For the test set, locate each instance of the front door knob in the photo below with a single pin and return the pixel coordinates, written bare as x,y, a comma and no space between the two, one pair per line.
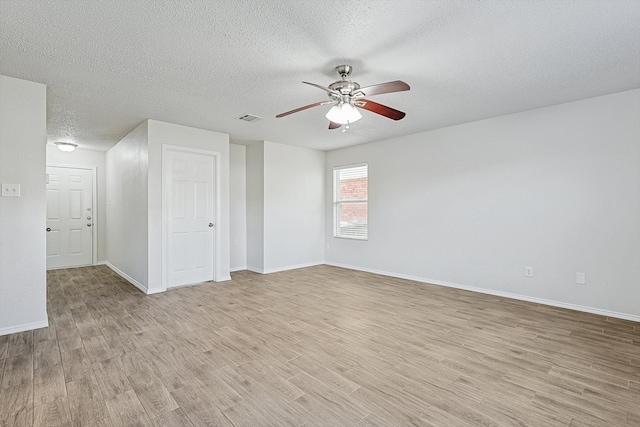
48,229
210,224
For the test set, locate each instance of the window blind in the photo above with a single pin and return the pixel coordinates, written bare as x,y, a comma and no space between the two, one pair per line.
350,202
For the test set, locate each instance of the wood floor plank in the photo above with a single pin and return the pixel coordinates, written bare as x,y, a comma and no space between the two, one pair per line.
126,410
46,353
372,420
175,418
153,395
20,344
327,376
76,364
17,370
86,403
48,384
344,406
23,417
110,376
16,402
4,346
45,334
52,414
200,409
97,348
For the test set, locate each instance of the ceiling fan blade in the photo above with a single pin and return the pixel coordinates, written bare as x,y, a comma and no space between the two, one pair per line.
334,125
326,89
315,104
383,110
389,87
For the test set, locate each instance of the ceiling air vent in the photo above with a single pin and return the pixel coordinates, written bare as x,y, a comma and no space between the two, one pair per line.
249,118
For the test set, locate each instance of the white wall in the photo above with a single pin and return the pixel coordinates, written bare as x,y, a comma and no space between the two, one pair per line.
23,136
238,206
255,207
293,207
88,158
127,165
556,188
168,133
285,207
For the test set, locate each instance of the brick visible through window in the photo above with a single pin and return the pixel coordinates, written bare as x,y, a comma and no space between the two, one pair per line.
350,195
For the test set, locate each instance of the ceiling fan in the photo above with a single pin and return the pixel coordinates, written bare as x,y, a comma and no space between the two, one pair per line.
347,96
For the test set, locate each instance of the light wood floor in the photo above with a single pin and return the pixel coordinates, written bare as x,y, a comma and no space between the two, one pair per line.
310,347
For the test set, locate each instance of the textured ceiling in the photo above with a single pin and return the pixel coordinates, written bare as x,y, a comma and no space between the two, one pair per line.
111,64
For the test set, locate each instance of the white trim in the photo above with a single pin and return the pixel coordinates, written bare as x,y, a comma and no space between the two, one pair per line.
130,279
25,327
543,301
287,268
232,269
70,267
217,250
94,209
337,203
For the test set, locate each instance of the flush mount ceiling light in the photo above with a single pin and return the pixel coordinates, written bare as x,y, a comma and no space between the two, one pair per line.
66,146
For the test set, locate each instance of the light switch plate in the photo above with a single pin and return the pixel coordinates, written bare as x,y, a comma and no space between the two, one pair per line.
10,190
581,279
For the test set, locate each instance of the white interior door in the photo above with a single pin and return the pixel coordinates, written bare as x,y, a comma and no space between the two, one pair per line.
189,189
69,217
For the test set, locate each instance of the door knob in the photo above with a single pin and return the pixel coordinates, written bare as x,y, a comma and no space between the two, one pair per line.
210,224
88,224
48,229
88,218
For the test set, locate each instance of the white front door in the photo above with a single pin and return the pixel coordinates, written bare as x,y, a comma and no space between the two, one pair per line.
69,217
189,189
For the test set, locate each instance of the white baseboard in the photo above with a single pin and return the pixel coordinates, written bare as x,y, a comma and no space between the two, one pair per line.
77,266
279,269
291,267
244,267
129,279
224,278
25,327
552,303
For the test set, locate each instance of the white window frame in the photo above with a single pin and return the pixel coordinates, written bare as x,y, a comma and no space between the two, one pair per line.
337,203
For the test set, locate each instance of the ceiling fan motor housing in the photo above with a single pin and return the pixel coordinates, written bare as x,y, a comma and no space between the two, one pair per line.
345,87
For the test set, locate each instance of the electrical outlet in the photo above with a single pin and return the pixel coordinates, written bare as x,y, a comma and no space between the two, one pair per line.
528,271
10,190
581,279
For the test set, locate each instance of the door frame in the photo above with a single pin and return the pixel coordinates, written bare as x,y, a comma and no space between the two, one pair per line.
94,207
165,209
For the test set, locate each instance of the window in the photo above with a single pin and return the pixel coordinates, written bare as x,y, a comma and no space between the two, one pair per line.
350,190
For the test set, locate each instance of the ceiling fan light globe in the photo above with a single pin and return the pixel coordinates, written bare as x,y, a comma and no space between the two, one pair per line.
351,112
343,113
